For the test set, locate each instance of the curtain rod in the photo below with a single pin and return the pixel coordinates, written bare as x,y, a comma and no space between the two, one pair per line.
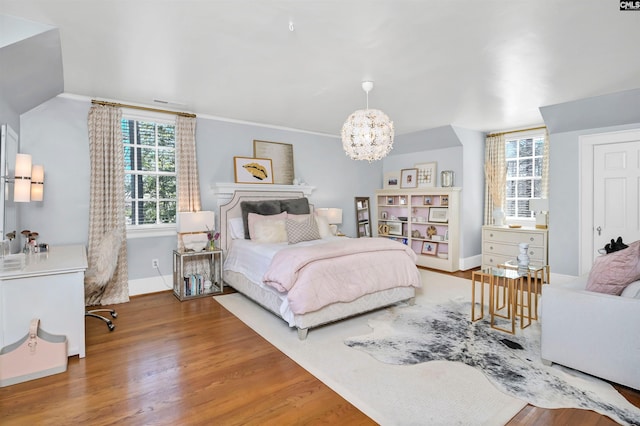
516,131
166,111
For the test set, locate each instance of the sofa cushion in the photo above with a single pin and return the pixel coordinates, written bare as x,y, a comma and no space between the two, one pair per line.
632,290
612,272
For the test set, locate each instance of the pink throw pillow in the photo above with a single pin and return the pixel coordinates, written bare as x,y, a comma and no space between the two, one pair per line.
612,272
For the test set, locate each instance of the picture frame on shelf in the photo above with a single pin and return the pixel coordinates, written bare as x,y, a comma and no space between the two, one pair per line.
395,228
281,155
427,200
391,180
439,214
409,178
429,248
253,170
384,215
444,200
390,201
403,200
427,174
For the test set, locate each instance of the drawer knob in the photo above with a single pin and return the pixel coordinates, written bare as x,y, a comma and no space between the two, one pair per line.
530,238
532,252
491,235
491,248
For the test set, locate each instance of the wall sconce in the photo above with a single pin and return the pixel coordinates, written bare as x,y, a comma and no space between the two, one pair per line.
22,181
37,182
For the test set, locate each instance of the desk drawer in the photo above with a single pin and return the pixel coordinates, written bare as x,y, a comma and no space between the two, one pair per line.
511,250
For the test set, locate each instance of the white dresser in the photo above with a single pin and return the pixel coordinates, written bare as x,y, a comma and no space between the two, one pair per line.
48,286
500,244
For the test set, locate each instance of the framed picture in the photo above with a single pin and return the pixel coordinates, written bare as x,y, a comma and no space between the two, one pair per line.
281,155
395,228
426,174
252,170
444,200
403,200
430,248
389,201
391,180
427,201
439,214
409,178
383,215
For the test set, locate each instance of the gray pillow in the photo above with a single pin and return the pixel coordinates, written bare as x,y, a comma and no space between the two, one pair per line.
295,206
266,208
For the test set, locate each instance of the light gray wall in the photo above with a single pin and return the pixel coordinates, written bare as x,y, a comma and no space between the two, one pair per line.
457,149
56,135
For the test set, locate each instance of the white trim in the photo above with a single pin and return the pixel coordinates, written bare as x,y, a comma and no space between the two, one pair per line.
209,117
151,231
466,263
586,147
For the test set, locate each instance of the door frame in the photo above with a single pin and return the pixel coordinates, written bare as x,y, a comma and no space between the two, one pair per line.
587,145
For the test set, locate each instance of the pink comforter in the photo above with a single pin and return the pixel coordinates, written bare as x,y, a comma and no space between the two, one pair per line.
340,271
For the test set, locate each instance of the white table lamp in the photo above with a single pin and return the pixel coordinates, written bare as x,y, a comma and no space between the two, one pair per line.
193,227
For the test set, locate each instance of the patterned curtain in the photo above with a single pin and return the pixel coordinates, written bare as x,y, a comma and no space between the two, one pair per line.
545,167
495,175
188,184
106,204
186,165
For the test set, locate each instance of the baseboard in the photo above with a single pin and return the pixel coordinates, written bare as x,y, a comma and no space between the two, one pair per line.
150,285
470,262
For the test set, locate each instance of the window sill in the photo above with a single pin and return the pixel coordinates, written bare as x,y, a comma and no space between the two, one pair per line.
151,231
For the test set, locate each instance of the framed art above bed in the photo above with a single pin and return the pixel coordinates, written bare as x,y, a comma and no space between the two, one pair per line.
252,170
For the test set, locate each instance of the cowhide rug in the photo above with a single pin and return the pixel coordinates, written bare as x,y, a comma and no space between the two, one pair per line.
415,334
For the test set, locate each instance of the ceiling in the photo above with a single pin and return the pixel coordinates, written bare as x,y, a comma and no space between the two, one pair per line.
484,65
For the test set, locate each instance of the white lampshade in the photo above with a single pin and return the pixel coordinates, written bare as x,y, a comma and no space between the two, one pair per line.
333,215
539,205
22,181
201,221
37,182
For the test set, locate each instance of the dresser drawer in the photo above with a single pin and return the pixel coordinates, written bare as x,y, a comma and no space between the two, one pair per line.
511,251
513,237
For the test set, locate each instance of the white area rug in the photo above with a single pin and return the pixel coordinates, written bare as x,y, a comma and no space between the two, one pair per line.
434,393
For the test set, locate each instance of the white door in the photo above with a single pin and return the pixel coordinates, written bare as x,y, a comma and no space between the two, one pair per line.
616,193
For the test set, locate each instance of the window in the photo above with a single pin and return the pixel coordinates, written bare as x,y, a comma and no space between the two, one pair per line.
150,171
525,163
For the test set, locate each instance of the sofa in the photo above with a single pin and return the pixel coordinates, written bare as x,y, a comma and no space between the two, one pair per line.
593,332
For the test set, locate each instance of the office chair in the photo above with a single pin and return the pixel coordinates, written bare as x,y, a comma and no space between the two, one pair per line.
96,278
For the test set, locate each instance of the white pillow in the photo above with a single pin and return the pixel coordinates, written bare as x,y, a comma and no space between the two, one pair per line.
269,231
254,218
632,290
236,228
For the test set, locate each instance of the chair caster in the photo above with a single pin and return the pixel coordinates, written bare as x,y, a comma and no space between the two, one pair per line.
111,326
114,314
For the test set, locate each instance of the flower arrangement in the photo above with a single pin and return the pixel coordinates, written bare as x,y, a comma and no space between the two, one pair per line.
212,237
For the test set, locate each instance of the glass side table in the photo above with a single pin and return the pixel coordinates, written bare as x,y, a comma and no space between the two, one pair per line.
197,274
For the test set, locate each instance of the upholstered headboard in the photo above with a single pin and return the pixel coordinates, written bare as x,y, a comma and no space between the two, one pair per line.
233,208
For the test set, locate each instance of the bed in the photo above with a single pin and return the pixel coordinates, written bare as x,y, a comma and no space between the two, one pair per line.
263,271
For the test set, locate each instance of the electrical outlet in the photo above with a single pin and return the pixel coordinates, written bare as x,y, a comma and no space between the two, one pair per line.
154,263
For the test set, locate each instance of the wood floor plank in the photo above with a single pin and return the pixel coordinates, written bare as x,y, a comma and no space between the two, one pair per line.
193,363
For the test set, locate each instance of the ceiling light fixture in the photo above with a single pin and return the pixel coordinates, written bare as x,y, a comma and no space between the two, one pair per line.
368,133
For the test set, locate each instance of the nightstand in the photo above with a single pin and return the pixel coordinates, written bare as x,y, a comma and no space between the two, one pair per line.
197,274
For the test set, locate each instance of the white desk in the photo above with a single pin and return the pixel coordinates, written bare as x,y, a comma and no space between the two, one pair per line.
49,286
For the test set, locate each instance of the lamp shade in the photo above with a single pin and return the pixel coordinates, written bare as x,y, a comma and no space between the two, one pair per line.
539,205
201,221
333,215
22,181
37,182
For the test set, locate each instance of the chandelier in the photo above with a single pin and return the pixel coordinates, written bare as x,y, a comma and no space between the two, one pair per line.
368,133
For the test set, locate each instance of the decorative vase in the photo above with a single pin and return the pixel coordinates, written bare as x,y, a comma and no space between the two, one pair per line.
498,216
523,257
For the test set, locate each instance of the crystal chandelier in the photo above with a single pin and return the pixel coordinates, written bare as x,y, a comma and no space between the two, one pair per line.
368,133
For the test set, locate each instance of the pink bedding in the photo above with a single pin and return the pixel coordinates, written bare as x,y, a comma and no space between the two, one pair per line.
340,271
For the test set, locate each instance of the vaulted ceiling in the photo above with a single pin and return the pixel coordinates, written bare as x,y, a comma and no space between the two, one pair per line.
484,65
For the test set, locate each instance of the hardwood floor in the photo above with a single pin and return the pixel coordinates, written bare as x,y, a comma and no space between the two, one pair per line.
194,363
